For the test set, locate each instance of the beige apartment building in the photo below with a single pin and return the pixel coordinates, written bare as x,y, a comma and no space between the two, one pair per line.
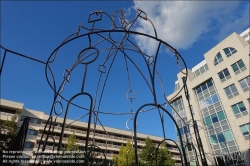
110,144
219,97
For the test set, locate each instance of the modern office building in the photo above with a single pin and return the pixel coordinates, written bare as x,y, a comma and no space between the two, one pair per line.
110,144
219,98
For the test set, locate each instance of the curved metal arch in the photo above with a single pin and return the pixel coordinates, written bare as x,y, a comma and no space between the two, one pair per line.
66,113
88,34
103,31
167,139
152,75
135,133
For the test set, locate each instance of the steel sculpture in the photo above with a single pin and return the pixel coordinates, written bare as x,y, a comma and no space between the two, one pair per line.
95,44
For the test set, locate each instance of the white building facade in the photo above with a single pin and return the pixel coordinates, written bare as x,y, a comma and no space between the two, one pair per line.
219,97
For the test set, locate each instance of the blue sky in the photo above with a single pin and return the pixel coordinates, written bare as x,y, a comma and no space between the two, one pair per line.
37,28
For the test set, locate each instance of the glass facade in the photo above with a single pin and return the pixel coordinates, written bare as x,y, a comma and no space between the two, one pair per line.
184,128
215,120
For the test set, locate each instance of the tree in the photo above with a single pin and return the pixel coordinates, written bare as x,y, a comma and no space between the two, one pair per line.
8,132
164,157
126,156
148,155
70,147
72,143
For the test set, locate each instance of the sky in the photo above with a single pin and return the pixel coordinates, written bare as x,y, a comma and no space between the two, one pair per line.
36,29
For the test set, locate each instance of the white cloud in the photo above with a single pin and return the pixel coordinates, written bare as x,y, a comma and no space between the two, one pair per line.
182,23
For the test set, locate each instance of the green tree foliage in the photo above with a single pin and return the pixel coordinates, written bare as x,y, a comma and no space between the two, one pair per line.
148,155
126,156
70,149
8,132
72,143
164,157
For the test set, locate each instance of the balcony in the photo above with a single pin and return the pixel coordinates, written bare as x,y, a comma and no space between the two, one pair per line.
173,149
6,116
112,138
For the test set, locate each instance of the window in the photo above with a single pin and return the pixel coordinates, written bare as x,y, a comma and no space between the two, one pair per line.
248,100
239,109
215,98
32,132
238,67
32,120
29,145
208,101
214,118
181,131
221,115
201,70
176,102
245,83
213,139
203,86
208,120
218,58
224,75
229,51
231,91
228,135
221,137
177,86
186,129
189,147
245,129
178,107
